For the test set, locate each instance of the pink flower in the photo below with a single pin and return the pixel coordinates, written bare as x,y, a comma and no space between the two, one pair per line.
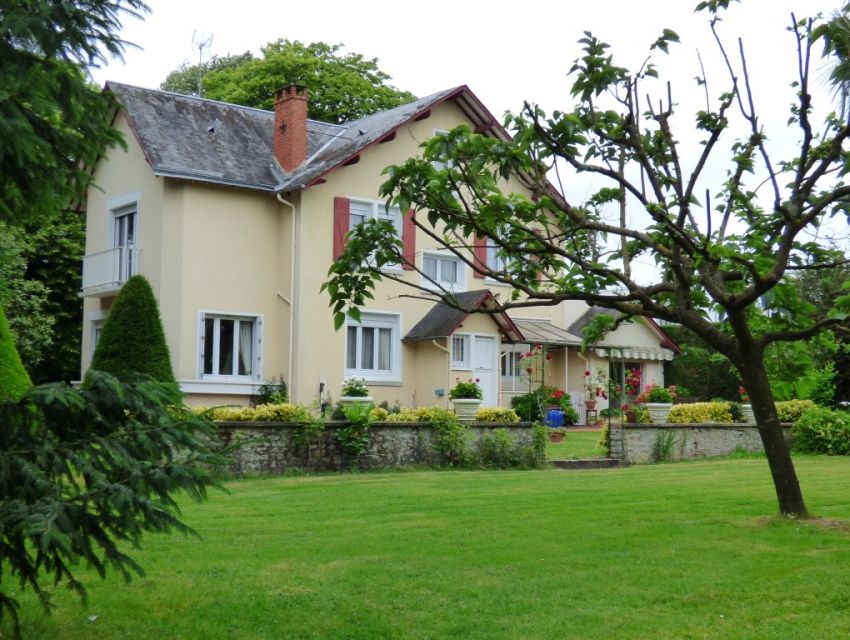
477,380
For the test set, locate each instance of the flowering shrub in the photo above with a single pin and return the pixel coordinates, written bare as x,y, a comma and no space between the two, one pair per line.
596,385
745,397
283,412
354,388
793,410
533,362
466,390
379,414
496,414
823,431
424,414
696,412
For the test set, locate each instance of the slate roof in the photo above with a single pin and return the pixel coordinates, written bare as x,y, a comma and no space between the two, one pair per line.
443,320
544,332
197,139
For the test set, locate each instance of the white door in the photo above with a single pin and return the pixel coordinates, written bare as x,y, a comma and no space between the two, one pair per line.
484,351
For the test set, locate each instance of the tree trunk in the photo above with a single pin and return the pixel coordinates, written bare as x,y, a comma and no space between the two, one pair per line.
778,453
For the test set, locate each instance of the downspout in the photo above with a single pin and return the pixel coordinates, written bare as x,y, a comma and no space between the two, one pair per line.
586,368
291,356
448,367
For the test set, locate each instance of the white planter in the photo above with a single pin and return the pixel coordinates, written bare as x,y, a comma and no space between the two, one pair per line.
350,401
466,408
747,414
658,411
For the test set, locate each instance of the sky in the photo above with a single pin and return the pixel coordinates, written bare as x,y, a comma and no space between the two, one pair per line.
506,53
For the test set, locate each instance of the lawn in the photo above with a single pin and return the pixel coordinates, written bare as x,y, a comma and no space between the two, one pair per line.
687,550
576,445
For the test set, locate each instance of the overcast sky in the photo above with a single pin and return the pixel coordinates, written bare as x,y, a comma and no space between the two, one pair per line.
505,52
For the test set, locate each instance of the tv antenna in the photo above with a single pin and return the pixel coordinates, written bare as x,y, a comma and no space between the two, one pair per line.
201,42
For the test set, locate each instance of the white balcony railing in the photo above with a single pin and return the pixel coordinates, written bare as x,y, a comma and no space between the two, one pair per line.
105,271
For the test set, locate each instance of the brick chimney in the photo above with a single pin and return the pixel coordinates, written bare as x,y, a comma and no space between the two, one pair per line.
290,126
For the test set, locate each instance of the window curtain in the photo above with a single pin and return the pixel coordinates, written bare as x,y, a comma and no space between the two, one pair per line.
246,343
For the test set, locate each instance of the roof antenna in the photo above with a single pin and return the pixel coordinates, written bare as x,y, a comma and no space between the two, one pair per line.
202,43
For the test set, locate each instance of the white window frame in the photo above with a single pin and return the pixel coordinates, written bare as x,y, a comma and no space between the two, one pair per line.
461,361
256,347
372,209
124,206
511,352
374,320
456,287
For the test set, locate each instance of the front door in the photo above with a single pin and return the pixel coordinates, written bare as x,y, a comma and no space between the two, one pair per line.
484,350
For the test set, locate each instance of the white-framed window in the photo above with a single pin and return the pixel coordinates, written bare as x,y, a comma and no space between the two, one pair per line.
443,270
373,346
125,222
440,132
361,210
510,366
461,351
230,346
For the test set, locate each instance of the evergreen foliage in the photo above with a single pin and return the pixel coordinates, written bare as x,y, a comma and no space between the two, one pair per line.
14,380
82,470
132,343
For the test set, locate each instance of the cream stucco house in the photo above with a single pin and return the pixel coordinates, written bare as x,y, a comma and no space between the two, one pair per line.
235,214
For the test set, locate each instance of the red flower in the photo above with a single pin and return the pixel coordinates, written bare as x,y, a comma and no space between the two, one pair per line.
528,355
477,380
625,406
548,356
587,373
529,370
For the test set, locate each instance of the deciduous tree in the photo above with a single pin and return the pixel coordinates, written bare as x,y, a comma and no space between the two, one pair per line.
720,248
343,86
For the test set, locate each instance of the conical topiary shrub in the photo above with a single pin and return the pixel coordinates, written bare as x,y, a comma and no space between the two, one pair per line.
14,380
132,342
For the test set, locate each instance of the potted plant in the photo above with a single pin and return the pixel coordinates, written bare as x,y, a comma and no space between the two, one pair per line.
658,401
354,391
466,398
557,434
746,408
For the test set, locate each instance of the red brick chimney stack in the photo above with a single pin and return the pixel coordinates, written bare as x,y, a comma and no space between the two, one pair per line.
290,126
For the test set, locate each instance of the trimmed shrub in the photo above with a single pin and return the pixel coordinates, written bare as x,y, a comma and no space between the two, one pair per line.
283,412
822,430
14,380
496,414
792,410
697,412
132,343
379,414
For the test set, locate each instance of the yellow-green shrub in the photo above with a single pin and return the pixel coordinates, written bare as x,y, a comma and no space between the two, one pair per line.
283,412
792,410
695,412
423,414
379,414
496,414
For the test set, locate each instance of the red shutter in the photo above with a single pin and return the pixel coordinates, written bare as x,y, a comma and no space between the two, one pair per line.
342,207
408,239
479,253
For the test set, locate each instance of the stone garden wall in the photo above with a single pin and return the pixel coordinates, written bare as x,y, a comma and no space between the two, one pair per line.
638,443
270,447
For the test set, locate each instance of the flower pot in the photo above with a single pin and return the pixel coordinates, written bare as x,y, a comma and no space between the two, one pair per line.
556,437
747,414
350,401
466,408
658,411
590,404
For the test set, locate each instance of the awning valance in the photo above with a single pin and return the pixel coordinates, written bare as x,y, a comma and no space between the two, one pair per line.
634,353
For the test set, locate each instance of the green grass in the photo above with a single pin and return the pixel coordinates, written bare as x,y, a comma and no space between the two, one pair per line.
576,445
686,550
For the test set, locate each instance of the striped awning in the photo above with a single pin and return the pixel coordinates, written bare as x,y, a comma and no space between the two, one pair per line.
634,353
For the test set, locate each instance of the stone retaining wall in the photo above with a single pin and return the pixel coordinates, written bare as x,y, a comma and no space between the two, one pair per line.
638,443
269,447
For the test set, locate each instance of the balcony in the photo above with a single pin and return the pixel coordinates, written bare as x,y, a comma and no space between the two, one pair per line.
104,272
